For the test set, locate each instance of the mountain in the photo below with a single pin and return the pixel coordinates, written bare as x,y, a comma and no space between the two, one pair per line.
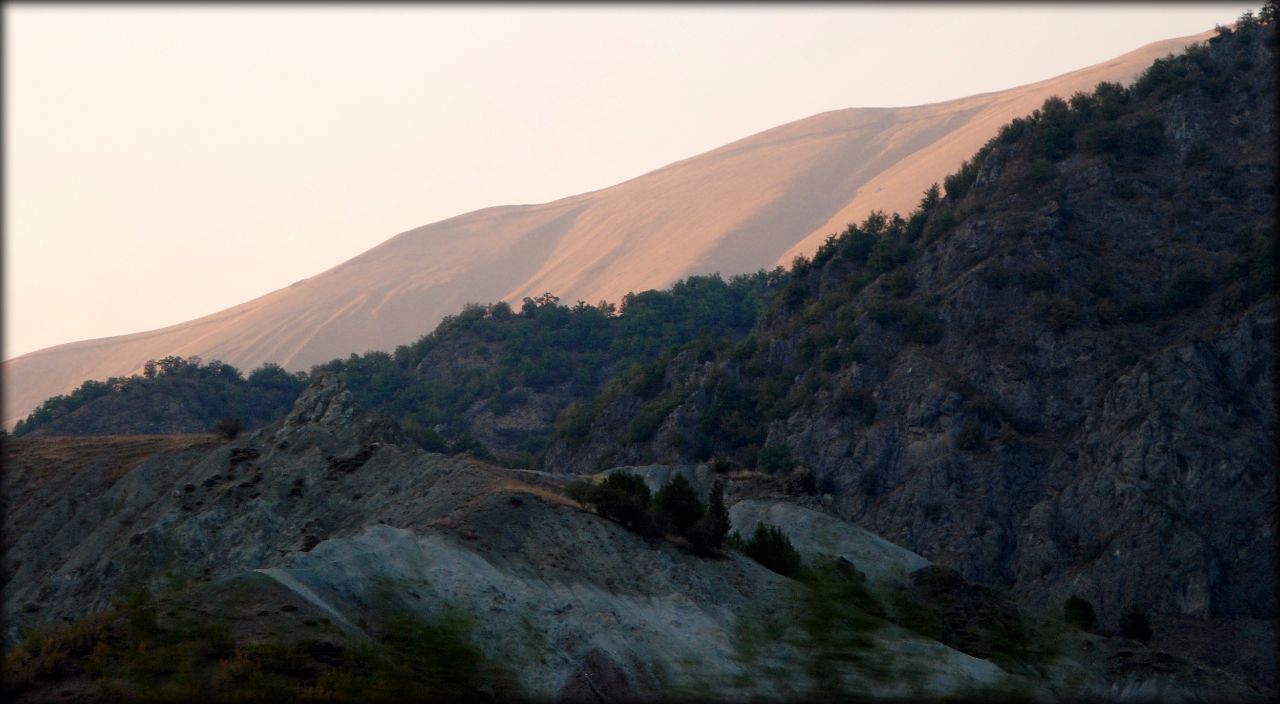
749,204
1013,444
1058,379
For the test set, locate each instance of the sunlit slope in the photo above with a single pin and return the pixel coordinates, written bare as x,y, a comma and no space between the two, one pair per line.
753,203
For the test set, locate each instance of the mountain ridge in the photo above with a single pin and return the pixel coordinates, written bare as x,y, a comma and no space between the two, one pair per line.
750,203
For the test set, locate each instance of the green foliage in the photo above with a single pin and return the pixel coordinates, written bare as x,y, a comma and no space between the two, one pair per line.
622,497
208,392
1079,613
678,504
1055,126
575,354
775,459
708,533
772,548
922,325
418,659
1043,170
650,416
958,183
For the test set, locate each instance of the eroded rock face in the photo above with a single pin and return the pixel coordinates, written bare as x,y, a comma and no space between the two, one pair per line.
330,509
348,526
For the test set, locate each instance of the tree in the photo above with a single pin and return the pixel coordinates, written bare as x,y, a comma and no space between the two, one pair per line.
1135,625
228,427
1079,613
678,504
931,197
149,369
708,533
621,497
770,547
775,459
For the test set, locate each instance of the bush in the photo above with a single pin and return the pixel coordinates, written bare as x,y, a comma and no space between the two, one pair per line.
228,427
1135,625
621,497
426,437
1187,288
775,459
1039,276
922,325
678,504
707,535
1043,170
1079,613
770,547
969,436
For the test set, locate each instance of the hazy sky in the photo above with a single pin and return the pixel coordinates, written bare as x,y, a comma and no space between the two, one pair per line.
162,163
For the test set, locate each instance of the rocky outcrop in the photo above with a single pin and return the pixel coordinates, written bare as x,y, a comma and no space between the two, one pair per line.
322,528
1068,389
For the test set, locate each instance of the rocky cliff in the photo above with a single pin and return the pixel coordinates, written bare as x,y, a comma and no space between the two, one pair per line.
1059,378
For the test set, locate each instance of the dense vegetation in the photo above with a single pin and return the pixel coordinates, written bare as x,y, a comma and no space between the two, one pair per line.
189,392
563,353
814,327
577,361
675,510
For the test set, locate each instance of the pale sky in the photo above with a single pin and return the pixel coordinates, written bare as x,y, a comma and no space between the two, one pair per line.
165,162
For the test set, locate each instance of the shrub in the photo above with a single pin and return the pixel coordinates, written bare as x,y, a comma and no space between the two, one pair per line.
902,282
1039,276
969,436
678,504
1146,138
707,535
228,427
1079,613
770,547
426,437
1187,288
622,497
775,459
1135,625
1043,170
922,325
721,465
